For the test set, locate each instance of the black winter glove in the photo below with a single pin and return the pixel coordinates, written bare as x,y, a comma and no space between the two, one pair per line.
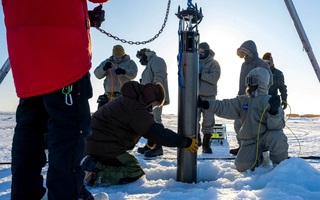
107,66
203,103
284,104
120,71
96,16
274,102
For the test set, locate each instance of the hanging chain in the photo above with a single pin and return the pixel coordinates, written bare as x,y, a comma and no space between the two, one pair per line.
142,42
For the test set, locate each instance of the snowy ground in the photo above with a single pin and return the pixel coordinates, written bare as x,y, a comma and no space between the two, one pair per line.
293,179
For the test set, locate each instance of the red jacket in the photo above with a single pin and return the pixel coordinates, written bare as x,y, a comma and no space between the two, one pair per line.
48,43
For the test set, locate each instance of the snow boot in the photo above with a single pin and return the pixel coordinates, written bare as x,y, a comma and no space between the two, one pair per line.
158,151
206,144
142,150
234,151
265,159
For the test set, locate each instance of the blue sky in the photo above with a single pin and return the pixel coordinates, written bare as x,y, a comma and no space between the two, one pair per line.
225,26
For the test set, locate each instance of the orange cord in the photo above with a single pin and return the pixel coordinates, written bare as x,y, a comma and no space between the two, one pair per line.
112,85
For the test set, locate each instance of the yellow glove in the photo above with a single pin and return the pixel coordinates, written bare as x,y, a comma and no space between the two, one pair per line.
194,144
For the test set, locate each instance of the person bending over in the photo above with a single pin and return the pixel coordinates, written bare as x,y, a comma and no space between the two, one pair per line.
117,127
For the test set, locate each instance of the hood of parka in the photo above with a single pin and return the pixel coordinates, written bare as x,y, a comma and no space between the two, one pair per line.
145,94
262,75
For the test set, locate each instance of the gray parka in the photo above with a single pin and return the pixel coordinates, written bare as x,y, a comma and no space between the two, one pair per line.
250,63
257,123
112,81
156,71
210,74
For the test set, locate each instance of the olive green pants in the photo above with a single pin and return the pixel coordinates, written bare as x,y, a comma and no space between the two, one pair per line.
130,170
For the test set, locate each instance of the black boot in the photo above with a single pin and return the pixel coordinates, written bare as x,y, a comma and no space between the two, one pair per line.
157,151
234,151
206,144
142,150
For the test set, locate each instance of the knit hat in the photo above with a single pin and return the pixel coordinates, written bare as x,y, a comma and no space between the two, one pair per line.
152,92
267,56
205,46
118,51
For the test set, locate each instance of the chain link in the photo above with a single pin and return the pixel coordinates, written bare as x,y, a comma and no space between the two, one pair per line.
142,42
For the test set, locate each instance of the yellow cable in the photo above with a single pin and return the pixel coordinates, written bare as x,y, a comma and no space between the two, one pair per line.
258,138
291,130
257,148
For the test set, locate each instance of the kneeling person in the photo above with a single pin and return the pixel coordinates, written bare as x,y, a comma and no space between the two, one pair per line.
118,126
262,121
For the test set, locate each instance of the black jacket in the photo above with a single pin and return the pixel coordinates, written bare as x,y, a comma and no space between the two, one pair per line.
118,125
278,83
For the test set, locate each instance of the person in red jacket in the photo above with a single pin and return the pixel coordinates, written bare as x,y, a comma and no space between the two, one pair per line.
50,54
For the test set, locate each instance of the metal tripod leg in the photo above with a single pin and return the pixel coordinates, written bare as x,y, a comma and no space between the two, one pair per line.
4,70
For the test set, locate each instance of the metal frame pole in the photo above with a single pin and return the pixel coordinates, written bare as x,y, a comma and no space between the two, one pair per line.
4,70
303,36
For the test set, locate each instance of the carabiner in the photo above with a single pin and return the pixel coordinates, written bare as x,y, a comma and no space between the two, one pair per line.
67,92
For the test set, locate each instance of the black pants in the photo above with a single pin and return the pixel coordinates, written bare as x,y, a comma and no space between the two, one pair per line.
66,127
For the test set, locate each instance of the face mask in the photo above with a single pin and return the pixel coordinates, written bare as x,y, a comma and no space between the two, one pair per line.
252,85
143,61
251,90
203,54
117,59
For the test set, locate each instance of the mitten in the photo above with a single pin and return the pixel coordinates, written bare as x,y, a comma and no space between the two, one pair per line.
203,103
274,102
96,16
107,66
120,71
284,104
